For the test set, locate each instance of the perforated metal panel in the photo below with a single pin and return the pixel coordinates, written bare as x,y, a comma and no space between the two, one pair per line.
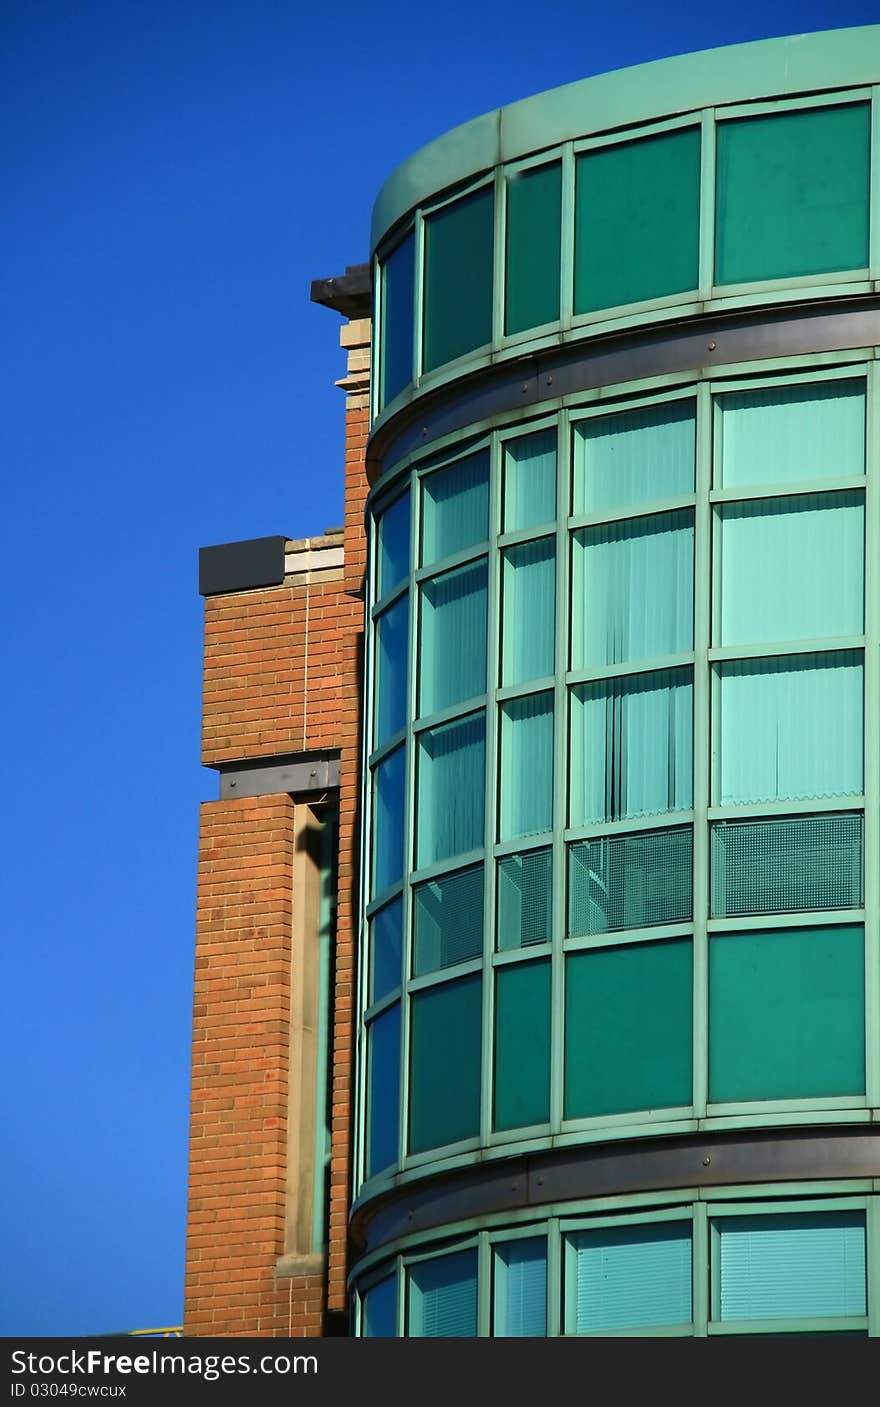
630,881
525,899
779,866
448,920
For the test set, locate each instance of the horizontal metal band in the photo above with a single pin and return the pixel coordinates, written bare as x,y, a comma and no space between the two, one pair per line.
692,346
290,774
609,1170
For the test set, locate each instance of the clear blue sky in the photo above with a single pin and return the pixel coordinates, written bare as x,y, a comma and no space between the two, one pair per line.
174,175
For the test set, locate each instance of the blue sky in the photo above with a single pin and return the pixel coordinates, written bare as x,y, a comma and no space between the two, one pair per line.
174,176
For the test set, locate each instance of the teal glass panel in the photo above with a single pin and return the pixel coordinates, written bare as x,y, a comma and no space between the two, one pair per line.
534,243
791,434
630,1277
392,650
526,766
451,789
398,320
455,507
633,590
790,865
379,1310
792,194
383,1111
529,481
791,727
452,654
457,313
628,1024
448,920
392,532
634,457
524,896
630,881
804,1265
389,783
632,746
792,568
637,220
520,1289
522,1045
386,947
528,611
786,1014
444,1080
443,1297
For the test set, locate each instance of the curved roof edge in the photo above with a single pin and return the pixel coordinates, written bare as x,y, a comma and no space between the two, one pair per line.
765,68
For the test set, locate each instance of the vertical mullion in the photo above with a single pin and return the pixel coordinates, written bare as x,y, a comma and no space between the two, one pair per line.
872,742
376,356
560,778
701,1270
498,256
554,1280
702,627
365,868
707,205
566,245
418,294
484,1286
874,194
872,1257
493,637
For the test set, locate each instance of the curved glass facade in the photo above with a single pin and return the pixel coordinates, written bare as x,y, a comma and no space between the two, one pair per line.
621,813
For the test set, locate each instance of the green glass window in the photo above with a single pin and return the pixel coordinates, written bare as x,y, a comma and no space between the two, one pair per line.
444,1082
637,220
397,316
392,648
526,765
792,568
793,864
792,194
633,457
522,1045
787,434
459,250
453,641
628,1024
791,727
448,920
628,1277
455,507
805,1265
633,590
384,1090
632,746
451,787
786,1014
393,545
534,242
379,1310
389,782
528,611
630,881
520,1289
386,944
530,481
524,894
443,1297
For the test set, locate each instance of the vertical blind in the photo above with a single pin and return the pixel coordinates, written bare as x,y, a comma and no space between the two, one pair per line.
393,545
530,481
786,434
633,590
791,727
634,457
455,507
809,1265
792,568
451,789
443,1297
630,1277
632,746
520,1308
528,611
452,658
526,765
